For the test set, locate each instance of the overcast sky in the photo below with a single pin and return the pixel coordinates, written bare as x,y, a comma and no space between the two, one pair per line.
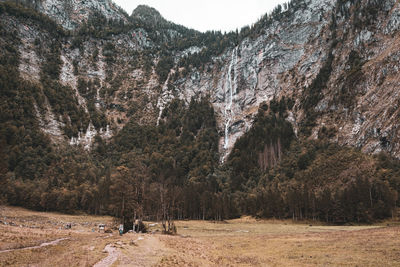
203,15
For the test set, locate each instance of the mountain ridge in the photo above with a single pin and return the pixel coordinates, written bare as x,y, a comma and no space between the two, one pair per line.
249,73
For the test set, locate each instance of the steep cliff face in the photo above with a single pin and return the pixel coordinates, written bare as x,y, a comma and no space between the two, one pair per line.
358,105
283,59
337,60
361,98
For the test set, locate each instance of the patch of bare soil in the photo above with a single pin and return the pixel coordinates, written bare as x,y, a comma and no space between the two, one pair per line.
134,250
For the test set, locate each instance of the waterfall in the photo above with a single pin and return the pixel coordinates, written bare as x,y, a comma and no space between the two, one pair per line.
230,91
97,102
163,99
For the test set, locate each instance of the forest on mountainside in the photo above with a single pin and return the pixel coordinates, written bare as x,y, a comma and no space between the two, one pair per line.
172,171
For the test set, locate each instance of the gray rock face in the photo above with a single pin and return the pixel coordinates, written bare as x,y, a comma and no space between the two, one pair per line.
282,61
71,13
254,71
394,21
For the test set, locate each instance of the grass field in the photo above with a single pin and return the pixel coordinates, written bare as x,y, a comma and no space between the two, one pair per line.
241,242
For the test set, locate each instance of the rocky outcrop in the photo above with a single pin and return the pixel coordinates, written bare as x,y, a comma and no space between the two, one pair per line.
72,13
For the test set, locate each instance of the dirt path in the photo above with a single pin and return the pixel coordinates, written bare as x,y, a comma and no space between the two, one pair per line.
113,255
45,244
132,250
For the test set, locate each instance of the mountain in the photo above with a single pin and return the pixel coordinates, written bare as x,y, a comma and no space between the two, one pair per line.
72,13
282,59
148,14
91,75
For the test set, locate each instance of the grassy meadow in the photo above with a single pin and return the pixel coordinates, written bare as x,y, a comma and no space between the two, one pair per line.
241,242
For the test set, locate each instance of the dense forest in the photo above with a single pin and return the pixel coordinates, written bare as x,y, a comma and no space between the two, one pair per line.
172,170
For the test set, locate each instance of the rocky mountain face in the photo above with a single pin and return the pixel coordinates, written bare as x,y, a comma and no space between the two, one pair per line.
72,13
336,61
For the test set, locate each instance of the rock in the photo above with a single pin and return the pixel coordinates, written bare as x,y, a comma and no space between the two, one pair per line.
283,60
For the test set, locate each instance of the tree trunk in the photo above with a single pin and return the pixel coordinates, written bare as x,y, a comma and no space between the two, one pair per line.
123,209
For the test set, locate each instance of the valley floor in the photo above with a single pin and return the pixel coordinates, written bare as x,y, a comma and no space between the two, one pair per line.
30,238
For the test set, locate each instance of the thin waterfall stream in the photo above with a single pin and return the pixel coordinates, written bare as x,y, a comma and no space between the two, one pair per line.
230,91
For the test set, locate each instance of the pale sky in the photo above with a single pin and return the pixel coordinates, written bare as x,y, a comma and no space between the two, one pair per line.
203,15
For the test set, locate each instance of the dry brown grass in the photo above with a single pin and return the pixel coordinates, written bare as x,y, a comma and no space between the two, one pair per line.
248,242
241,242
83,247
16,237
